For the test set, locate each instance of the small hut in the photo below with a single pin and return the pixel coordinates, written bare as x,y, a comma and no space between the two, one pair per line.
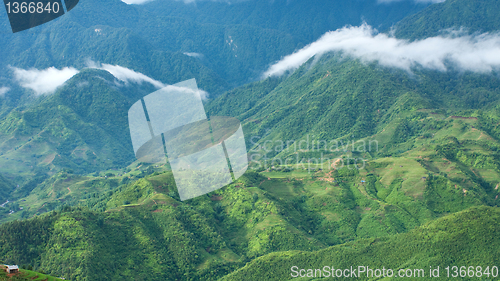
12,269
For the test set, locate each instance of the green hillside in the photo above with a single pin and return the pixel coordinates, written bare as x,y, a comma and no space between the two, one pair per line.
348,100
446,242
351,163
25,274
6,188
473,16
208,237
63,127
83,127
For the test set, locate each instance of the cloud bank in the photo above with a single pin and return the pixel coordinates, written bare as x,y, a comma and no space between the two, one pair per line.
477,53
128,75
194,55
43,81
125,74
48,80
4,90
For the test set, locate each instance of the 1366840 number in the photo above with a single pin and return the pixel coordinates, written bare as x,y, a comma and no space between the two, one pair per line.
471,271
32,7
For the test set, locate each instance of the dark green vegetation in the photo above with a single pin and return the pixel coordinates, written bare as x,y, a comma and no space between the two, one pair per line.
82,128
452,240
473,16
146,233
427,194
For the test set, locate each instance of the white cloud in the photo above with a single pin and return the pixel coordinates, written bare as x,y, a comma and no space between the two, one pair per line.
128,75
4,90
478,53
136,1
125,74
195,55
44,81
48,80
202,94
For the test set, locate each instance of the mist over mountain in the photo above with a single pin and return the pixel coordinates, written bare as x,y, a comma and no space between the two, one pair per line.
237,40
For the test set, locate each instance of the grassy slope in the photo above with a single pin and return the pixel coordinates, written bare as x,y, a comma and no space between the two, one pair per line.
69,129
212,235
463,239
25,274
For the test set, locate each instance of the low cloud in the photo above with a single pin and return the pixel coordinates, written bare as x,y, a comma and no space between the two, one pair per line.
136,1
125,74
128,75
44,81
477,53
194,55
48,80
202,94
4,90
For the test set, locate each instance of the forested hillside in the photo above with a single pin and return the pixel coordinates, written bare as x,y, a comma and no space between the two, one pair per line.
236,42
446,241
352,162
468,16
211,236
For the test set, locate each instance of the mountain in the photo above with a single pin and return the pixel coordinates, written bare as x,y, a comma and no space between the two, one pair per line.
351,162
236,41
83,127
336,98
470,16
171,42
291,17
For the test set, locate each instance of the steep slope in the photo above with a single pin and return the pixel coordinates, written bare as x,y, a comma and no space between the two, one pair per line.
236,41
337,98
461,239
305,21
473,16
82,127
6,188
